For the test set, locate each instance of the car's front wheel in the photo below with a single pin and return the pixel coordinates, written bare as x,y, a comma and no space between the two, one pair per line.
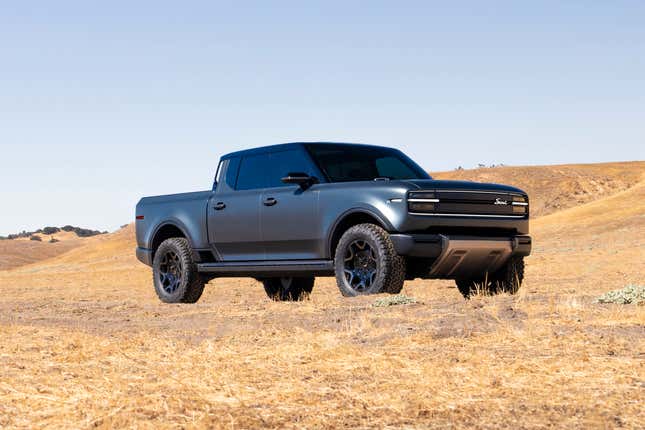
175,273
367,263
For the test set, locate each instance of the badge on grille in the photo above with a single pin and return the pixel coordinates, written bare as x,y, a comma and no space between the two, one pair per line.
499,201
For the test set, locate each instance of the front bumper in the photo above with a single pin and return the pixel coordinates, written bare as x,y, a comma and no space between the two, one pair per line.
461,257
144,255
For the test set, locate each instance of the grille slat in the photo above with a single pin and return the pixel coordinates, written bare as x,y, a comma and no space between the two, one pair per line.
472,203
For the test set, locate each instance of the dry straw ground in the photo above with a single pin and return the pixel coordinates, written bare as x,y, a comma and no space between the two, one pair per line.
85,342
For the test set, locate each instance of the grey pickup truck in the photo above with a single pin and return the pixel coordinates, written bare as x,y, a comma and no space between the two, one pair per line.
368,215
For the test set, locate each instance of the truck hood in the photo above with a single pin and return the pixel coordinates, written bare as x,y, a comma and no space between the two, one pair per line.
435,184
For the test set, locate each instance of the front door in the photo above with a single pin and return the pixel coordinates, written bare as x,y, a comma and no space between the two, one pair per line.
289,221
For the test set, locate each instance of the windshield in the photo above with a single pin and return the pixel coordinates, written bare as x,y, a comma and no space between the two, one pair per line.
344,163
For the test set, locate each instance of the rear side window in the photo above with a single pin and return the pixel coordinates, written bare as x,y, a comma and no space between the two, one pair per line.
284,162
253,172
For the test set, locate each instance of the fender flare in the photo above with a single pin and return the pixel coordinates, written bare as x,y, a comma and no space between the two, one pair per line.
358,210
173,223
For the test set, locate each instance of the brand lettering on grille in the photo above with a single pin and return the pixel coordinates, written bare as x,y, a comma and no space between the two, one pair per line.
499,201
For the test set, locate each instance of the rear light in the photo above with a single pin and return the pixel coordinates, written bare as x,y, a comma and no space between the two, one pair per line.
139,216
422,201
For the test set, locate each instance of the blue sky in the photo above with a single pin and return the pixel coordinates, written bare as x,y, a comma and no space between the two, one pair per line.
104,102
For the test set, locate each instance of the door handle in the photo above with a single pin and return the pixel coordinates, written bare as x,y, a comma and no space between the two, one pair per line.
219,206
270,201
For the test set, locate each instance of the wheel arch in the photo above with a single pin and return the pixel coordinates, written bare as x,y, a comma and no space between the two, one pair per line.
166,230
349,219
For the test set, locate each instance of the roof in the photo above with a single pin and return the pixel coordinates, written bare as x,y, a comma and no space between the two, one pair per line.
282,147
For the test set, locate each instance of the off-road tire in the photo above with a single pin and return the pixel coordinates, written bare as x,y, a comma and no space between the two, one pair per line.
390,267
508,279
467,286
288,289
189,288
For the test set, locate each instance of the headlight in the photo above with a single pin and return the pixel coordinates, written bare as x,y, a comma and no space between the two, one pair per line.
422,201
520,205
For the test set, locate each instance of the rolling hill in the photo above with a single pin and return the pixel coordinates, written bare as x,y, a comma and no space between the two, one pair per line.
553,188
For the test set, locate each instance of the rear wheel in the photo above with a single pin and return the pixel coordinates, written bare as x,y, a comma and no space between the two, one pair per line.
175,273
289,288
366,262
508,279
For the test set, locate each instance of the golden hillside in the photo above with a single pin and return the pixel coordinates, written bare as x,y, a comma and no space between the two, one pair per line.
22,251
86,343
553,188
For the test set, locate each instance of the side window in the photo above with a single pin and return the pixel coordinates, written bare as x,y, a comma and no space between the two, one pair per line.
253,172
285,162
231,172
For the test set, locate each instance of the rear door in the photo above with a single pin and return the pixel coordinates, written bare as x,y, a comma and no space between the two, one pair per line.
234,209
289,222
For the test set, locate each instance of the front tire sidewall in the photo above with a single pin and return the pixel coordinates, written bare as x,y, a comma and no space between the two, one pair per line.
378,239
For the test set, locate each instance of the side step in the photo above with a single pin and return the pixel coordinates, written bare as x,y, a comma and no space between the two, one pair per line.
269,268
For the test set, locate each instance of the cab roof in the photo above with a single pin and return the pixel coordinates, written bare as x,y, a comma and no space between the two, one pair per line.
286,146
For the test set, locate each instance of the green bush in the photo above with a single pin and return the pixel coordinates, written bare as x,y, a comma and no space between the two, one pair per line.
630,294
399,299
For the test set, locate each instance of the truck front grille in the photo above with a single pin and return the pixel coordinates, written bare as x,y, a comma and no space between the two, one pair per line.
463,203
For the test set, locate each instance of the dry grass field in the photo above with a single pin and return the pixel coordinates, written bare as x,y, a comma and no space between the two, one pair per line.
86,344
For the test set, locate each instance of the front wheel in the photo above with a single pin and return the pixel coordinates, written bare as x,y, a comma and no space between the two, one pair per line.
367,263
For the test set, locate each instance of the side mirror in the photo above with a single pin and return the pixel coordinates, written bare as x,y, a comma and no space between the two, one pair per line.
300,178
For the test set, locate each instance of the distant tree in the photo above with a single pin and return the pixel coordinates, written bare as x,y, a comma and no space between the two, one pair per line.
84,232
36,238
53,240
50,230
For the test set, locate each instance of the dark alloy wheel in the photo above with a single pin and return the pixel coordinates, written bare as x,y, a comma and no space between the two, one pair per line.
170,270
288,288
360,265
175,273
366,262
